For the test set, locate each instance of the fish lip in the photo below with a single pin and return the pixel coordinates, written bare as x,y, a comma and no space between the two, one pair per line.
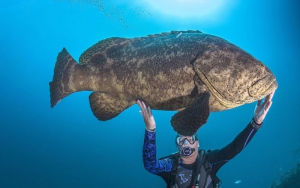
272,86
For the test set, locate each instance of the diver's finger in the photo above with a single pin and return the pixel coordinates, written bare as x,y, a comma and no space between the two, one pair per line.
142,112
271,95
145,106
149,111
265,103
139,103
259,102
268,105
141,106
146,110
266,100
267,97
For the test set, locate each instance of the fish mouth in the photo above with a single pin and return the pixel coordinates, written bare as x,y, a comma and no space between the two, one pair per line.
262,87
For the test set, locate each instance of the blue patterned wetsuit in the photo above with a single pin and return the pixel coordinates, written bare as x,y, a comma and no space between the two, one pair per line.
216,158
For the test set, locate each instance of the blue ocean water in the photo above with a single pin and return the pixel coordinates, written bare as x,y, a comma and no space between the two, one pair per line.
68,147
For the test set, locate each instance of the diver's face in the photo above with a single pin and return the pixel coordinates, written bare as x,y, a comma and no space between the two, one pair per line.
187,145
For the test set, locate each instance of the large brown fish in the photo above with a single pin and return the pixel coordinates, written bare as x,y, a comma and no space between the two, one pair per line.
188,71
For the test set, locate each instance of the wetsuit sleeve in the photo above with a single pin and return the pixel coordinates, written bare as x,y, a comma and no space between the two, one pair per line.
149,156
218,158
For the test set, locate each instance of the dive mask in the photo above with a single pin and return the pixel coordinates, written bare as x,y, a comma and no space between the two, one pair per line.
181,139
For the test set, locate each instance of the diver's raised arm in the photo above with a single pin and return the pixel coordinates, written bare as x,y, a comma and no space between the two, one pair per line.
149,149
219,157
147,115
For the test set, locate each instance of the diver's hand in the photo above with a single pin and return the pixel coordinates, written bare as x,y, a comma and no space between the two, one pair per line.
262,109
147,115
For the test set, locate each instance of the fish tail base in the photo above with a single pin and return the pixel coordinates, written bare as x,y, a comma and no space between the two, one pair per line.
60,85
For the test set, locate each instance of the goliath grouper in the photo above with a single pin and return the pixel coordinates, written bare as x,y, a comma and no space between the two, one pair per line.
187,71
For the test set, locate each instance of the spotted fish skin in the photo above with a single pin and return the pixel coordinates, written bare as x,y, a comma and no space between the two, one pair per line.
169,71
156,68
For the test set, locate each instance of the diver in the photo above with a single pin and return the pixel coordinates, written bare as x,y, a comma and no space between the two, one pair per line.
191,166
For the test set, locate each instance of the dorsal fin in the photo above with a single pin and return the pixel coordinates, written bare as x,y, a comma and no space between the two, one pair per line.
172,32
101,46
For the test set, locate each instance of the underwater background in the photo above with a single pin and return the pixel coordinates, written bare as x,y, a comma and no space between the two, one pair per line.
68,147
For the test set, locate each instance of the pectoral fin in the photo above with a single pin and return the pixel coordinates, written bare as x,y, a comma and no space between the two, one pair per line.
189,120
105,106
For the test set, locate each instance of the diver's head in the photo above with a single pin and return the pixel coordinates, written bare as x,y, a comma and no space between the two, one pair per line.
187,145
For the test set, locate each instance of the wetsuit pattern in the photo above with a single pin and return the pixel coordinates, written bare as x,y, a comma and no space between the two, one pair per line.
149,156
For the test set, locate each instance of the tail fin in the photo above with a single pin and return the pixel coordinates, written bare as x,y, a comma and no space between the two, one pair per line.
60,85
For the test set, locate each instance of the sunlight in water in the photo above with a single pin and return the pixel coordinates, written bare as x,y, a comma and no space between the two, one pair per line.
193,9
